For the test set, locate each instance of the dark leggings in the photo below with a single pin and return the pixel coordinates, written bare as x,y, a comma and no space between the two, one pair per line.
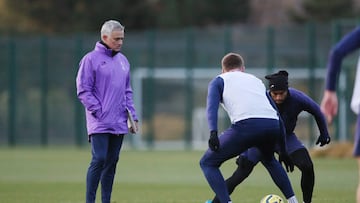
302,161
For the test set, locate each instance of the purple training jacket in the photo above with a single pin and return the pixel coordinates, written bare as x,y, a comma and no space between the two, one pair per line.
103,87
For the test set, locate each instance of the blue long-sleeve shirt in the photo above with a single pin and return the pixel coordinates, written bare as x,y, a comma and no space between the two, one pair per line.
294,104
348,44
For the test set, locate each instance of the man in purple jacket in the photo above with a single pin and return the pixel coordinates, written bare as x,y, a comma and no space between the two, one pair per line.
103,87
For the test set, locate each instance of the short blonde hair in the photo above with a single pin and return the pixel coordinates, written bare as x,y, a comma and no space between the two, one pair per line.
231,61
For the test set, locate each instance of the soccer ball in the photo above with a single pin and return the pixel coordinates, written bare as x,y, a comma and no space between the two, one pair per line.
272,199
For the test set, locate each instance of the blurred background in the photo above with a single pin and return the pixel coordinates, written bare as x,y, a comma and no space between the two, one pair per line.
175,48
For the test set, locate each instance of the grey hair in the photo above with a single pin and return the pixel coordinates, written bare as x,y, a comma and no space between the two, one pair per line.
109,26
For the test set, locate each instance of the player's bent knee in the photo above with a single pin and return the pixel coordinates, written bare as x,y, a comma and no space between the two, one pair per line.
244,163
307,167
204,161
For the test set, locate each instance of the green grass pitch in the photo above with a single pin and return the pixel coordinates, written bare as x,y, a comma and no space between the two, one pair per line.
33,175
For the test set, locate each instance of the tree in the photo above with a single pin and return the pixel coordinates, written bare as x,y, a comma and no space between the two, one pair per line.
80,15
45,15
53,16
324,10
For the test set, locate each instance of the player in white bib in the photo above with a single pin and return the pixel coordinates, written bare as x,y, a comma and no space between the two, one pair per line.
254,123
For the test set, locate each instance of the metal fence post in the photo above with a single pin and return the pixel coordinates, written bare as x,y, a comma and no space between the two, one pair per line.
44,91
189,60
12,93
150,89
228,46
270,49
311,35
79,109
336,36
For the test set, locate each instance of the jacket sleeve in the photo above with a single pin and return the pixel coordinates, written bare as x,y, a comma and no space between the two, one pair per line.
85,81
129,97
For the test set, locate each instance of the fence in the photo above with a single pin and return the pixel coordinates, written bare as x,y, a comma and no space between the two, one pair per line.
38,104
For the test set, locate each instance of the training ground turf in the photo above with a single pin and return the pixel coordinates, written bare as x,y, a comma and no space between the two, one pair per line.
34,175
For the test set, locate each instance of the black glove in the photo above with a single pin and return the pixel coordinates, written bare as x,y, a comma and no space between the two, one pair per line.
323,140
214,144
285,159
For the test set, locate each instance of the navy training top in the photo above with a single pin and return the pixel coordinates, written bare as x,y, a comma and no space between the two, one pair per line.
348,44
294,104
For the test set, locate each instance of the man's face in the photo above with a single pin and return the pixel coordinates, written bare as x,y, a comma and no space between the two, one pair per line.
279,96
114,40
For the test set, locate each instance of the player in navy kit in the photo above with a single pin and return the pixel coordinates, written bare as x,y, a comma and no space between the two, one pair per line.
290,103
329,104
254,123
